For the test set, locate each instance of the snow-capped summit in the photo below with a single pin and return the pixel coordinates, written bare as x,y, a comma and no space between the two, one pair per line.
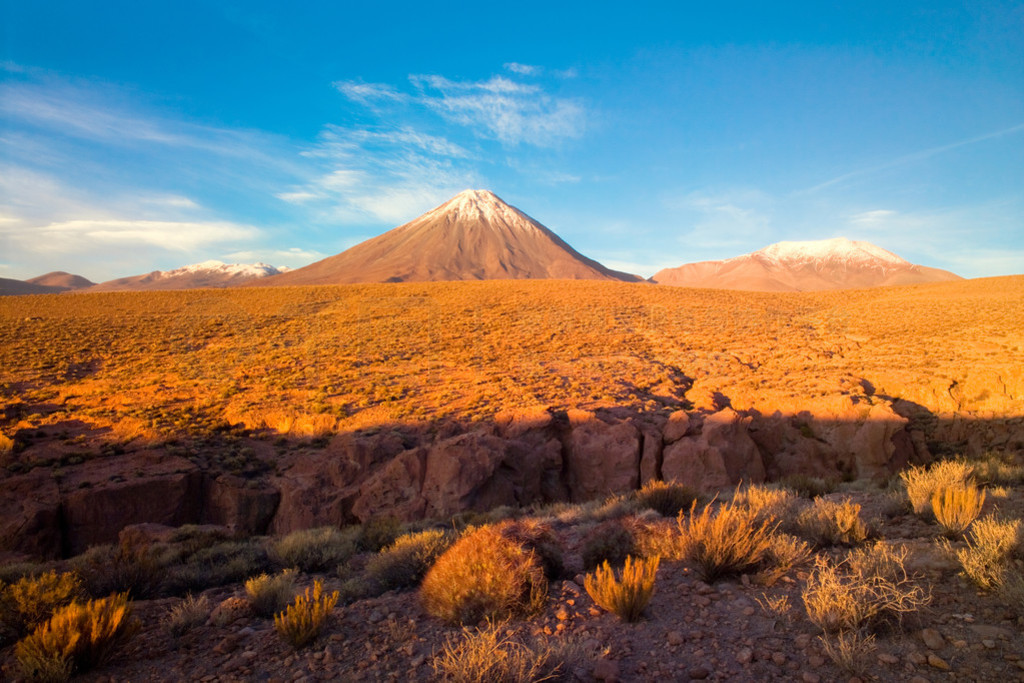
473,236
210,273
837,263
839,249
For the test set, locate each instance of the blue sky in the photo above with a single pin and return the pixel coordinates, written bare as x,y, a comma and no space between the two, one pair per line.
137,136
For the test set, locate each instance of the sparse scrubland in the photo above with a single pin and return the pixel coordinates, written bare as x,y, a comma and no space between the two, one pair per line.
914,574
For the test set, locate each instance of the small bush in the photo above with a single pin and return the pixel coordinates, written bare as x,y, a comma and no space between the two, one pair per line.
484,574
315,550
921,482
627,595
784,553
34,599
217,565
612,541
956,507
767,503
133,566
849,650
827,523
666,498
869,586
377,533
990,544
302,621
404,563
78,637
537,536
187,614
725,543
808,487
269,594
492,655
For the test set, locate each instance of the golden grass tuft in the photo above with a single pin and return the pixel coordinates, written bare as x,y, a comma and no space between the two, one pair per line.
78,637
484,575
626,595
301,622
990,544
187,614
922,482
315,550
269,594
826,523
956,507
493,655
34,599
725,542
767,502
404,563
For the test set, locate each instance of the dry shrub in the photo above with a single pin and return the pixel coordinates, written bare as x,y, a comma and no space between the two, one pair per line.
776,606
808,487
33,600
657,537
612,541
187,614
302,621
730,541
849,650
134,566
269,594
999,469
767,503
78,637
784,553
870,586
484,574
666,498
378,532
315,550
956,507
219,564
1011,591
921,482
628,594
494,655
827,523
533,534
404,563
990,544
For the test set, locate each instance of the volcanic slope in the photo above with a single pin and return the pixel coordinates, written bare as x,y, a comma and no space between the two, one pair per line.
473,236
818,265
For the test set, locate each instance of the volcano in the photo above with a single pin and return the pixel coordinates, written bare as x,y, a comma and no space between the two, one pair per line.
809,266
473,236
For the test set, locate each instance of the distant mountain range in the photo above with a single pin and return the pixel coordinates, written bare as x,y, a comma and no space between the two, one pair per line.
209,274
473,236
817,265
477,236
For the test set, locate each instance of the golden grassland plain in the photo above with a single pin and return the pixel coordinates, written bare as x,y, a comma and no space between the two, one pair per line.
122,367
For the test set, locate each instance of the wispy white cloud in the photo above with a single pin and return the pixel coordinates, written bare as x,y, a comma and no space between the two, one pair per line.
367,93
522,69
92,233
294,257
513,113
914,157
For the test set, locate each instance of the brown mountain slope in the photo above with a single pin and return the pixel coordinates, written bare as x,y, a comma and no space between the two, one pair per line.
819,265
12,287
473,236
61,280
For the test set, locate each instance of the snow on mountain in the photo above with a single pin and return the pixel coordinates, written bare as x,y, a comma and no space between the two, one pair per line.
206,274
838,263
838,249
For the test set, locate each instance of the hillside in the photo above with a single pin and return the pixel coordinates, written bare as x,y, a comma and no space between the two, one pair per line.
208,274
809,266
473,236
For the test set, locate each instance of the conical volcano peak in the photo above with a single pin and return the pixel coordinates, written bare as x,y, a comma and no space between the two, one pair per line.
479,205
473,236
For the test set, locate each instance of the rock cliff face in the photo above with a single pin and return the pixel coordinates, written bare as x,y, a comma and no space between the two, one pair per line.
521,458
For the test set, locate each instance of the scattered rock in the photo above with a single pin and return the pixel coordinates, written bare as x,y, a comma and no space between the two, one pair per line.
932,639
937,662
607,670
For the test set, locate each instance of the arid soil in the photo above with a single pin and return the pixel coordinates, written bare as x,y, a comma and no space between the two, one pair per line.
690,631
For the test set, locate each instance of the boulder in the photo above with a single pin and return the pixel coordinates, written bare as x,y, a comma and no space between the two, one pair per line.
603,458
721,454
394,489
244,506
